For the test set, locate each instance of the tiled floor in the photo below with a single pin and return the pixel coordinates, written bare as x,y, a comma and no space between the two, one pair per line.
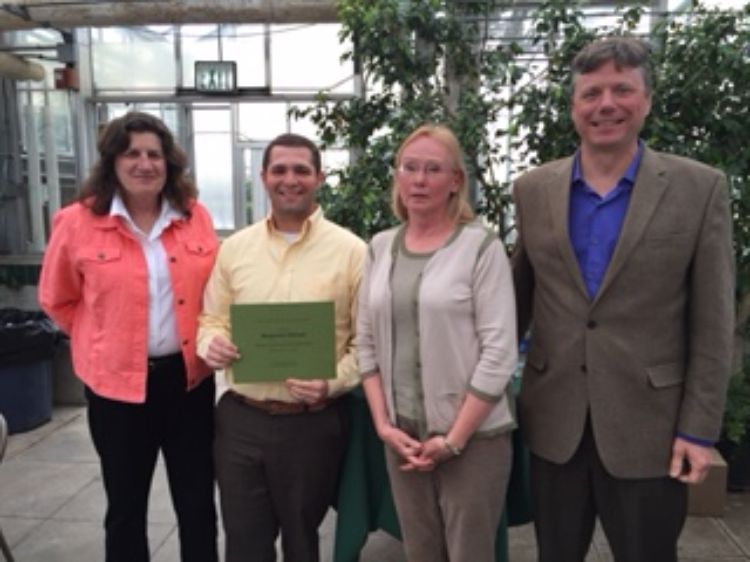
51,508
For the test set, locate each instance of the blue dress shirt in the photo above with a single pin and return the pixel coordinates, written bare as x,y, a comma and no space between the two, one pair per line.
594,222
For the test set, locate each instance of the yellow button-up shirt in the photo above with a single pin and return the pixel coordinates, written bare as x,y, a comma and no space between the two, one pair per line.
258,265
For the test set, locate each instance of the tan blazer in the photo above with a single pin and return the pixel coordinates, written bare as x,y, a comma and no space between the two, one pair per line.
650,355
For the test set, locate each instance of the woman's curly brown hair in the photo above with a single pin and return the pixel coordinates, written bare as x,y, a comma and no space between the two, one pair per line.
101,185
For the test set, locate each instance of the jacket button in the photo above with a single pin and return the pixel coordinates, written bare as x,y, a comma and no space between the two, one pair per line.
100,255
185,342
172,259
583,368
591,324
181,301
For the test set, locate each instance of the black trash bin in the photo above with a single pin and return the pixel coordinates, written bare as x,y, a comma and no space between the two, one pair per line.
27,345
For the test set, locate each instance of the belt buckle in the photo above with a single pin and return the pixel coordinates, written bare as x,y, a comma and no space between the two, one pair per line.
318,406
279,408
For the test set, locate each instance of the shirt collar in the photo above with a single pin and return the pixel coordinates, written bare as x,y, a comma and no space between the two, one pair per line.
315,217
630,172
167,213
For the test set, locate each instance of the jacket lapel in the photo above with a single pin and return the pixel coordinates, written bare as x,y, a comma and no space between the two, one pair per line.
650,184
558,197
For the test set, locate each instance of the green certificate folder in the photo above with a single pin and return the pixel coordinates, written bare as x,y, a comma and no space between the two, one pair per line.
278,341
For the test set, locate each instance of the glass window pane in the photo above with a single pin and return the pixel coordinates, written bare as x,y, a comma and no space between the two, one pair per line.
60,121
62,127
167,112
118,52
296,68
261,121
198,42
61,124
34,37
213,164
244,44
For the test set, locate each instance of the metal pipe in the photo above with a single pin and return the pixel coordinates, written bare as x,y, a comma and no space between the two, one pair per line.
34,182
18,68
50,162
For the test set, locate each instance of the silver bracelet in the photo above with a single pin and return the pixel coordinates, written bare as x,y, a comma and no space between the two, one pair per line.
450,447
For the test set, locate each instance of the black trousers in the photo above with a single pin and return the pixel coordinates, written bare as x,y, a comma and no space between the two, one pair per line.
276,473
128,438
641,518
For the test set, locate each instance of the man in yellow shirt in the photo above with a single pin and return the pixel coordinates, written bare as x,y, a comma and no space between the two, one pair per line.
278,446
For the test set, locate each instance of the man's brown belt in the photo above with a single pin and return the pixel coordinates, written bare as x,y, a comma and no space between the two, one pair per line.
279,407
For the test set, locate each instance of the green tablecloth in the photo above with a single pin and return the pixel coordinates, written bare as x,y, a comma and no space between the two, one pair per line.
364,501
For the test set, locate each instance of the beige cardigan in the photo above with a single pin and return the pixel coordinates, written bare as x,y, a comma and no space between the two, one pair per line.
467,325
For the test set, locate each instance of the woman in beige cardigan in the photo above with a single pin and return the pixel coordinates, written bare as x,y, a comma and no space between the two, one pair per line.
437,347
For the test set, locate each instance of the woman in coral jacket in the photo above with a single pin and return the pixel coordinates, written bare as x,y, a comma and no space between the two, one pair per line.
123,276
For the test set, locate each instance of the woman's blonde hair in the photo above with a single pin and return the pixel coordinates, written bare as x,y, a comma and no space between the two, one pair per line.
459,209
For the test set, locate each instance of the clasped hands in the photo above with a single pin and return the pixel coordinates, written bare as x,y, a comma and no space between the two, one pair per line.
417,455
221,353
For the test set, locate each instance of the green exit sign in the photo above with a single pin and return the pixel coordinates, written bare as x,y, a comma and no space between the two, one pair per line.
219,77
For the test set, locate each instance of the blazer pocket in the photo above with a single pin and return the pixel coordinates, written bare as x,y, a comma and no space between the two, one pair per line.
664,376
537,359
660,240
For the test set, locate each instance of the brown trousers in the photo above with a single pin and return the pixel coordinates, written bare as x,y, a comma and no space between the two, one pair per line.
276,473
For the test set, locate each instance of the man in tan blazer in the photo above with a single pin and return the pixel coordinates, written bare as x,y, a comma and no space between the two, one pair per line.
624,274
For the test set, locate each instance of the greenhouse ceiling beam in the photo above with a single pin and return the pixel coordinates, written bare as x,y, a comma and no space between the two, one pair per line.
61,14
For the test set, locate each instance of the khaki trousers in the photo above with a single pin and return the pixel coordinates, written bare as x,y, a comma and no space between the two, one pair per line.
452,513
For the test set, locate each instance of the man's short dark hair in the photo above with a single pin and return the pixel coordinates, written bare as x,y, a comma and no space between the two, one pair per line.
293,140
625,52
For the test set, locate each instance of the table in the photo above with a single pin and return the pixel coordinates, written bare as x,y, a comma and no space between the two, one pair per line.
364,501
